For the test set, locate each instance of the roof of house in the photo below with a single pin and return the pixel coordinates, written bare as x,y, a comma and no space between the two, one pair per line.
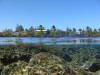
42,30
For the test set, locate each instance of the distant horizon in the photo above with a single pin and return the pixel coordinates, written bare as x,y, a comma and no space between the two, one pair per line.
61,13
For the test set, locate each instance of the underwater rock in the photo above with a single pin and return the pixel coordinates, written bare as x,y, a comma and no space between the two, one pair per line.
73,51
47,64
8,59
43,63
97,56
64,49
15,68
84,59
67,58
94,67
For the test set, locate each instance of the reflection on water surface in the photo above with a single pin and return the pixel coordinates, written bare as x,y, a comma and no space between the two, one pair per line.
51,40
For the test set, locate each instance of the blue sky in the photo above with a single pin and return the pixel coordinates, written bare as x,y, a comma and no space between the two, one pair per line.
61,13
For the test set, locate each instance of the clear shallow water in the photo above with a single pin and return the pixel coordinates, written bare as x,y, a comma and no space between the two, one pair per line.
52,40
79,58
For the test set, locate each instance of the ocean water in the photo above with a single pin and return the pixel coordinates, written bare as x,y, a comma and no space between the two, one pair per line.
66,55
52,40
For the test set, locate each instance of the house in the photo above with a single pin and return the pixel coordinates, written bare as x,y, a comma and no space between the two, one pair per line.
40,30
45,31
78,32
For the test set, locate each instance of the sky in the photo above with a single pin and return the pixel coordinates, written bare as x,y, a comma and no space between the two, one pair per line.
61,13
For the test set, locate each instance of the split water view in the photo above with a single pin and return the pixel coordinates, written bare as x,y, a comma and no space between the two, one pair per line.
52,40
49,37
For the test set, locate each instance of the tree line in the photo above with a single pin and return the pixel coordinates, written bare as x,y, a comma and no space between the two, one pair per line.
52,32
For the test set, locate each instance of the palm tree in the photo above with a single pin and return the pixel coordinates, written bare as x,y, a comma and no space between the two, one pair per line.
88,30
68,31
31,29
80,31
74,31
41,27
95,31
40,33
53,28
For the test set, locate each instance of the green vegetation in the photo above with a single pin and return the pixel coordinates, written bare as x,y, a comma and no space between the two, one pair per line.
52,32
7,32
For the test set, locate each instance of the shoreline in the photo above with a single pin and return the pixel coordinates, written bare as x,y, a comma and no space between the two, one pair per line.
50,36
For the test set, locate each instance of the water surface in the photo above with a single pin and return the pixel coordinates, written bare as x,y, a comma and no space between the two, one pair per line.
52,40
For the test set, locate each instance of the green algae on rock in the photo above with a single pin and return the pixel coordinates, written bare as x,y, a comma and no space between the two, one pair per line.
47,64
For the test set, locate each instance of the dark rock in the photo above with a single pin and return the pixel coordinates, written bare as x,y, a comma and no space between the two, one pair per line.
64,49
8,59
97,56
67,58
72,51
94,67
84,59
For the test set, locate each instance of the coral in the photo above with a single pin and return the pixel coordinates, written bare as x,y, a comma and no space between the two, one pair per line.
45,63
49,60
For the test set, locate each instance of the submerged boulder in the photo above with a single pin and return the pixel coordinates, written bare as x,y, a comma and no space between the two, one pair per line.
67,58
94,67
15,68
43,63
97,56
47,64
